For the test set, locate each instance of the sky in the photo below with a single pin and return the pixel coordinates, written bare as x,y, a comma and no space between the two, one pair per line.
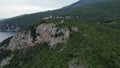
11,8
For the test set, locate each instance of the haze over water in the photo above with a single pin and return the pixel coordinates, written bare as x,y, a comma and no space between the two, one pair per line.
5,35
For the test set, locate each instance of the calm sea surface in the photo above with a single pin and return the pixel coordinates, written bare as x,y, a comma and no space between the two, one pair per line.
5,35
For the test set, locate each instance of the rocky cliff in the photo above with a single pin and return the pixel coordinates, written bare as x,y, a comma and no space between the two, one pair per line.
45,33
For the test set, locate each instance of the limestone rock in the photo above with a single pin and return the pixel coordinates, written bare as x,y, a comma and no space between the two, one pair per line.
51,34
20,40
45,33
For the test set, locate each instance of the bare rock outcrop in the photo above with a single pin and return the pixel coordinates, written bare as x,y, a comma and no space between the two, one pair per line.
45,33
51,34
20,40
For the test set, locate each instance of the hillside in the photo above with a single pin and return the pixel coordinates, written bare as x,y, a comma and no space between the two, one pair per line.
82,3
85,36
90,10
92,46
107,9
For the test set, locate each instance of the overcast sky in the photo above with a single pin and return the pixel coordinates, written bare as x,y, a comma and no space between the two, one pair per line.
10,8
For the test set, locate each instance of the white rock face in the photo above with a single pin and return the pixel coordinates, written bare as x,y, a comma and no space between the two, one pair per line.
20,41
47,33
51,34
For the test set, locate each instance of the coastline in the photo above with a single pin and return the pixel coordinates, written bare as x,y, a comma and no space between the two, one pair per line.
4,35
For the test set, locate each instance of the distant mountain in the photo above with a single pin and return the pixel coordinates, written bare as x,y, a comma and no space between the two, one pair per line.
82,3
85,9
99,9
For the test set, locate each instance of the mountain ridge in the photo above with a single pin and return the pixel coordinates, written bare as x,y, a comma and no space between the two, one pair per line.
81,3
90,11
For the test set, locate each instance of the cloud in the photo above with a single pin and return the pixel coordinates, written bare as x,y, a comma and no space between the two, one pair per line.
10,8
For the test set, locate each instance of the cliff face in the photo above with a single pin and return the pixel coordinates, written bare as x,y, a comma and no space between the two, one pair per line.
20,40
52,34
45,33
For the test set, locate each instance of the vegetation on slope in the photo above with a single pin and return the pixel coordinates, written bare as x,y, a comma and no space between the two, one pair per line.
98,11
93,46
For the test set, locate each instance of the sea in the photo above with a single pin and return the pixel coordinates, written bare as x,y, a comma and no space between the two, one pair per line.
5,35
